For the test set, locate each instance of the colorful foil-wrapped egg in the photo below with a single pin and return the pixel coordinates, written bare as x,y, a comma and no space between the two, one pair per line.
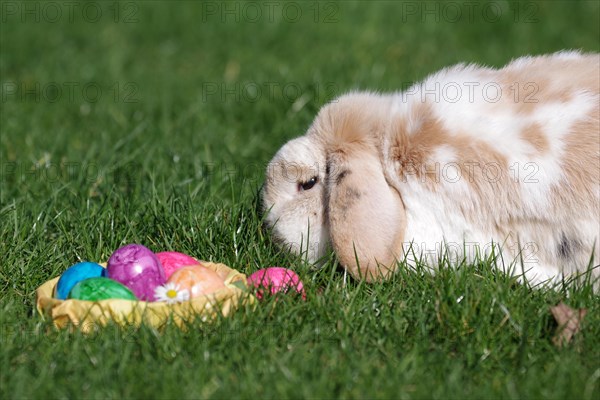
138,268
197,280
95,289
171,261
76,273
276,280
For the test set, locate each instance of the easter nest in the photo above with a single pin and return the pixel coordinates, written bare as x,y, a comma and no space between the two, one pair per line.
89,315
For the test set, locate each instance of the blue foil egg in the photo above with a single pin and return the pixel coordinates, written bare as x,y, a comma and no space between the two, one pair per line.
75,274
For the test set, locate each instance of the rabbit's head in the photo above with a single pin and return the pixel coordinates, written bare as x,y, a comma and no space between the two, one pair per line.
293,198
328,188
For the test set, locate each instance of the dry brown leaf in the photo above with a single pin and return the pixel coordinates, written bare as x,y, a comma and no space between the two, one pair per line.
569,323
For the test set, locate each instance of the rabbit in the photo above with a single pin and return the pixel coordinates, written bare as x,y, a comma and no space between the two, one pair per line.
471,162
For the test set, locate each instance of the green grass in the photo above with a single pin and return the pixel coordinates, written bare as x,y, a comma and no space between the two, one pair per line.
163,160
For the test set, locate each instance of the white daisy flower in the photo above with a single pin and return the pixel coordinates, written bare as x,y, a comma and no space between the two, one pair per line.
170,293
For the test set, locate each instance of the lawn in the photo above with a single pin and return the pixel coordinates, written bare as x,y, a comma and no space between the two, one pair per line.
152,122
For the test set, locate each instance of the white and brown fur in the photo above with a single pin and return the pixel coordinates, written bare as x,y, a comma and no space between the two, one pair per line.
427,173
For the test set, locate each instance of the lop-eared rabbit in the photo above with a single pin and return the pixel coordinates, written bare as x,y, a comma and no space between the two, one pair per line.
471,162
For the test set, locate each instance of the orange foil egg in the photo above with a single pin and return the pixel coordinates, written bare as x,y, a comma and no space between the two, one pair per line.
197,280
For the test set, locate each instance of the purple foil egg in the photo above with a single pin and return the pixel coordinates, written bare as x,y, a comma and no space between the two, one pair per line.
136,267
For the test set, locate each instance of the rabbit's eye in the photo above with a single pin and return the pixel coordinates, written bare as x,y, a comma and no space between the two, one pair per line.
308,185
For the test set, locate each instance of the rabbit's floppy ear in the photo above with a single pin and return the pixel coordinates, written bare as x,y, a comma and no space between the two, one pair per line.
366,216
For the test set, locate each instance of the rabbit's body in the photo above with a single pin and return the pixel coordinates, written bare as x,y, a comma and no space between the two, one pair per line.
469,158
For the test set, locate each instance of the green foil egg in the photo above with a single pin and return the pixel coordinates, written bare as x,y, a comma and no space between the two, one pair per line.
94,289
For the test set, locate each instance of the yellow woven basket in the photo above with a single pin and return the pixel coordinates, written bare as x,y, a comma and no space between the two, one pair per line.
89,315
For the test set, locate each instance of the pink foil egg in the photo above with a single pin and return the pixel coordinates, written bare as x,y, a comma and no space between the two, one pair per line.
172,261
138,268
197,280
276,279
